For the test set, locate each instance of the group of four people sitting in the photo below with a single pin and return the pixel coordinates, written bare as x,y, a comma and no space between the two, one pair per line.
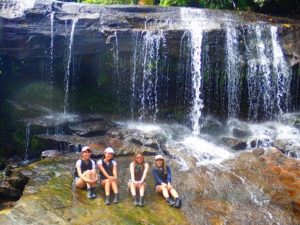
87,177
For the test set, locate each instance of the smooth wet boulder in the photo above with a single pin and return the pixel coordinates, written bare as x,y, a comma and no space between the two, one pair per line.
91,126
234,143
260,143
50,153
153,139
288,147
240,133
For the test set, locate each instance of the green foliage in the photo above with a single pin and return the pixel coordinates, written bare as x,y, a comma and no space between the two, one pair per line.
36,146
18,139
40,94
174,2
92,100
108,2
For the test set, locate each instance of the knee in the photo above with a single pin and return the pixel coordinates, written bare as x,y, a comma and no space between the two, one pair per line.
88,172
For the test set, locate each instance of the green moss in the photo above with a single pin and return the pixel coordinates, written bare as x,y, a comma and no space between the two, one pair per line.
57,197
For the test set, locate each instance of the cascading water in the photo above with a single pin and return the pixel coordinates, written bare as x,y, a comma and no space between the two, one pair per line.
233,71
268,82
196,29
51,48
152,41
196,39
27,140
134,74
67,72
264,69
283,76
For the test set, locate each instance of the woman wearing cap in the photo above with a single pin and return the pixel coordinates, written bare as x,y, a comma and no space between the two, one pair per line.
138,171
85,172
108,175
163,177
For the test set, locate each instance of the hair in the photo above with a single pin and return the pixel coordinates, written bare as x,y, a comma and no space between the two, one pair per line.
163,166
103,157
81,154
135,161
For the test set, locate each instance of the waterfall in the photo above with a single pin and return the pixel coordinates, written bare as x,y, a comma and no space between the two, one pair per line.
152,41
283,76
15,8
268,81
27,140
195,22
51,48
233,71
264,69
196,42
134,74
67,71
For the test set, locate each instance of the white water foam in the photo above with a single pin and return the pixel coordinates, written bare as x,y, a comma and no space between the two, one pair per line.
181,142
204,151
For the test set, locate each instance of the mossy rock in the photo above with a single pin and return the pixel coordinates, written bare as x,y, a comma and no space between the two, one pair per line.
50,198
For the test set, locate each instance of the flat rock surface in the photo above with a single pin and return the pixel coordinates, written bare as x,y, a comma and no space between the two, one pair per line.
49,198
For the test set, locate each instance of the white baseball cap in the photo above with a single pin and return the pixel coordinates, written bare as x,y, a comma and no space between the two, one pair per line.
85,148
109,150
159,157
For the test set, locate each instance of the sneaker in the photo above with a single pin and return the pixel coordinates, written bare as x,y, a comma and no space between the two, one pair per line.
94,192
116,198
141,202
170,201
89,193
178,203
107,200
135,201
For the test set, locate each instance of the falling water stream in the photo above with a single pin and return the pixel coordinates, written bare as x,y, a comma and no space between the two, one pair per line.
67,72
27,140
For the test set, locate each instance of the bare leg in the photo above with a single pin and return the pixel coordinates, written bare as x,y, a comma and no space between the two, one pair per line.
132,189
174,193
163,190
142,189
114,186
106,184
88,174
93,176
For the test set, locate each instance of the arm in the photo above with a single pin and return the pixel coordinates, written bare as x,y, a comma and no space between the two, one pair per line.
115,171
156,177
145,172
95,178
101,168
169,175
131,168
80,174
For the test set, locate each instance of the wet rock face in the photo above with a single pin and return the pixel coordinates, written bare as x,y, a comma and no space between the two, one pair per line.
288,147
252,185
234,143
29,36
11,187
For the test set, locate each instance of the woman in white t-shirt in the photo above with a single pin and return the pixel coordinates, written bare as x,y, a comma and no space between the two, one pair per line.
138,172
85,173
108,175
